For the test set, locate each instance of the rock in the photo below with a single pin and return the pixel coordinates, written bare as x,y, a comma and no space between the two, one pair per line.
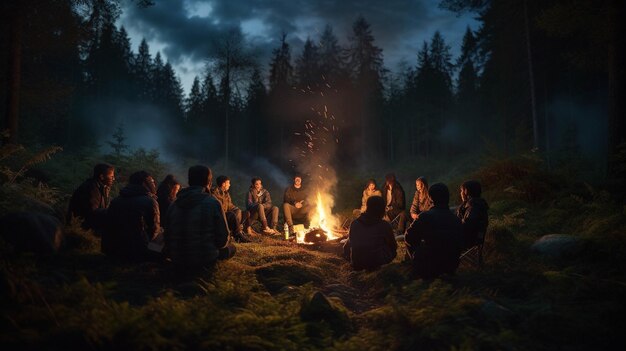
495,311
32,231
321,312
558,246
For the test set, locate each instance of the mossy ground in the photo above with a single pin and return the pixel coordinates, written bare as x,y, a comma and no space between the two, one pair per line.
268,295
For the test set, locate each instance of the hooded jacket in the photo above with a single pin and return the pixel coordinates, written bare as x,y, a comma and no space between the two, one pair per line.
133,221
293,195
435,240
262,197
195,228
475,219
371,243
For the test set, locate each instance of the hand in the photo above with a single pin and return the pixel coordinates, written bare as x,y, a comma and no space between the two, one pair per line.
414,215
299,204
388,208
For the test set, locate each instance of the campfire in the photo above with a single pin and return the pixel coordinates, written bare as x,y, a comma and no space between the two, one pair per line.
324,226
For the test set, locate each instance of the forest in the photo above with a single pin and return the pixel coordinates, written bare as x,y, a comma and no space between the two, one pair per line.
531,106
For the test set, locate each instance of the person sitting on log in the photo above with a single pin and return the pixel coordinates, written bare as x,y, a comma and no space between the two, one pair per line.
233,213
295,205
259,205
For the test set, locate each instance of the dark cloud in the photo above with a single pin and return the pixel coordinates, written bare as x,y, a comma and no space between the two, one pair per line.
399,26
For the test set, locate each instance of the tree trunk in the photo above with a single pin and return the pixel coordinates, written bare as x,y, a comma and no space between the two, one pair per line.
615,72
531,78
14,75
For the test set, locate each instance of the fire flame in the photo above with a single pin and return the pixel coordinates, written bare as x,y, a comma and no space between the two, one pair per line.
321,218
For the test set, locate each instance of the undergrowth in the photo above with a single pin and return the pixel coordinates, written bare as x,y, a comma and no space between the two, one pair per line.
279,295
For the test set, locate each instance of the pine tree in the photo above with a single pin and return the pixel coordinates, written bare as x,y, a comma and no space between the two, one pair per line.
118,142
365,61
142,70
281,70
330,59
307,65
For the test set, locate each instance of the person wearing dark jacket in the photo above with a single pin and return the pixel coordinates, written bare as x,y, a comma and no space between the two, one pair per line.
394,197
196,234
259,205
133,219
232,212
91,199
371,242
295,204
434,240
472,213
166,193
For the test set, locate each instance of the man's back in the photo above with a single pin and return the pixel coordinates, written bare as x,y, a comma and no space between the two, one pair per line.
133,221
195,228
436,239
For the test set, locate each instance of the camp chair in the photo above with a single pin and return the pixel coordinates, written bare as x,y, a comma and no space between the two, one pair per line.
474,254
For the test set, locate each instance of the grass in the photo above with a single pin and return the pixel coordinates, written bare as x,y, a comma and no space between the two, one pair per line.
279,295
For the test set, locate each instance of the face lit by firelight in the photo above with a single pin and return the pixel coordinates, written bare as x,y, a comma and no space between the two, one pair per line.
297,182
258,185
419,186
371,186
226,185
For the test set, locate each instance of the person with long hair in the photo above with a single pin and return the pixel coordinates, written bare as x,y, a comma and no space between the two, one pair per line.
421,199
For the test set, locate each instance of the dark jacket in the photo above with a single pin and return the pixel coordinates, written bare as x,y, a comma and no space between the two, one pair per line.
434,241
293,195
164,203
370,244
224,199
398,202
195,228
89,202
133,221
255,198
421,203
473,214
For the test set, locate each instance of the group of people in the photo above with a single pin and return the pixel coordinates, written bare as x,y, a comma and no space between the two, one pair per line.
192,226
436,235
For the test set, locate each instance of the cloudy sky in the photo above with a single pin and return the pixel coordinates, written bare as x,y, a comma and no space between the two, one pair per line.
184,30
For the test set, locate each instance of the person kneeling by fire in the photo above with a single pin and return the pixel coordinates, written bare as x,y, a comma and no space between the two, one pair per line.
371,242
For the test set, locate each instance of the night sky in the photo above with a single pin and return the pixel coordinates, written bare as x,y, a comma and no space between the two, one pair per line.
183,31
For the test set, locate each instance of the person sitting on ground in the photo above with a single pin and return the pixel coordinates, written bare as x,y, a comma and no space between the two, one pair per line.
91,199
435,238
133,220
371,242
259,205
166,193
395,202
421,199
196,235
233,213
295,205
370,190
473,213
